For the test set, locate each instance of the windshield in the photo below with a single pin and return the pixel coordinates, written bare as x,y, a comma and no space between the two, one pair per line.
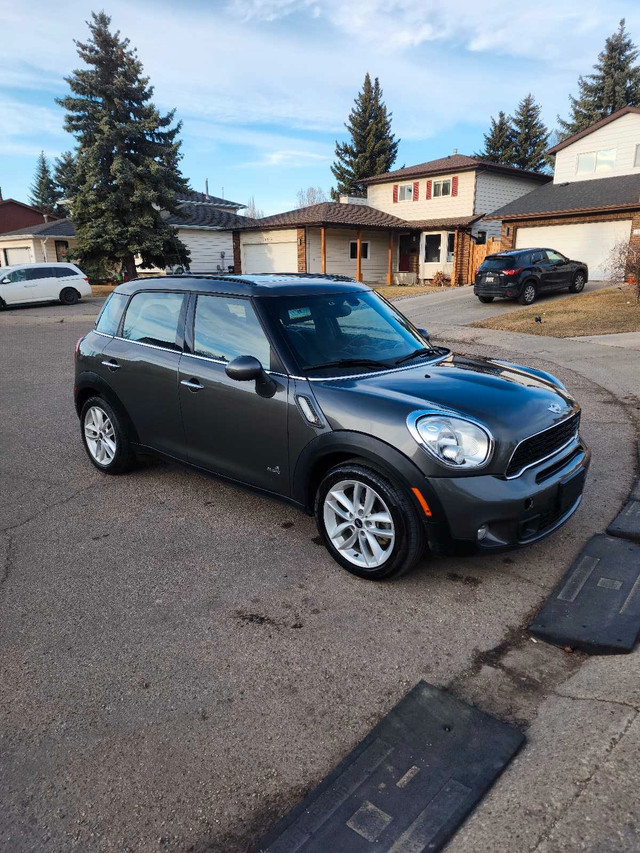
345,332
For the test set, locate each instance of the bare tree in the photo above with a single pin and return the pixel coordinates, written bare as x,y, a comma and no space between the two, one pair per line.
312,195
252,211
623,264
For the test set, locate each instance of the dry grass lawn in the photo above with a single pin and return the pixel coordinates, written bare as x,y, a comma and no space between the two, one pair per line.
395,291
602,312
101,289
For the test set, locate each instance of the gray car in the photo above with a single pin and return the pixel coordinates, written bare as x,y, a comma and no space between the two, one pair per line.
318,391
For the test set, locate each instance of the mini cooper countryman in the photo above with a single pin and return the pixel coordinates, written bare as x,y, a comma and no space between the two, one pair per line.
318,391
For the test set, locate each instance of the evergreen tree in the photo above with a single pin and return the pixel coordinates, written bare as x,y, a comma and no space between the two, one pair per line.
44,193
498,143
372,149
615,83
65,173
127,158
530,136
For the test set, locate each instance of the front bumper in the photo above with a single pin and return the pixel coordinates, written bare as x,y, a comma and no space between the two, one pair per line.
511,513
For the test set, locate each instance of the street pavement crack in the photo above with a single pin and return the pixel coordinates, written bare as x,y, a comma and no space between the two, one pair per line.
48,507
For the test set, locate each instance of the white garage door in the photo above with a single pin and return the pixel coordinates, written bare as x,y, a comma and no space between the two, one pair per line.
17,256
591,243
270,257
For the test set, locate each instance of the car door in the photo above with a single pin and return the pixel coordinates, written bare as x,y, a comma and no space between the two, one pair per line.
230,428
141,365
13,287
561,270
41,284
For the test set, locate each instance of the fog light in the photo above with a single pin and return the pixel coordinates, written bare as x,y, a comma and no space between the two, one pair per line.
482,532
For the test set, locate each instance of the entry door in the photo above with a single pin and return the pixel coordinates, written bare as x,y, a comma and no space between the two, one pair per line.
231,429
142,368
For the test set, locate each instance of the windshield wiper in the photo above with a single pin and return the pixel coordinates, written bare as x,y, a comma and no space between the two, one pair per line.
415,354
349,362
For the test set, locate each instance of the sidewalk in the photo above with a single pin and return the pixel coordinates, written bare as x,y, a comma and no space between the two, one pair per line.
574,787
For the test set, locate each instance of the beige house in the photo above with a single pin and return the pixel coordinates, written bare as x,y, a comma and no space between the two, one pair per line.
37,243
414,222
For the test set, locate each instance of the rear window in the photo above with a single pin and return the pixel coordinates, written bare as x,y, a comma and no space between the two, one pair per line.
109,318
500,262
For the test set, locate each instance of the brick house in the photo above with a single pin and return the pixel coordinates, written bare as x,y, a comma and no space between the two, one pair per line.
15,214
593,202
414,222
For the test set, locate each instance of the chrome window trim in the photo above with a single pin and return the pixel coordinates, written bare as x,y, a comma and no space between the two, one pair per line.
575,438
418,414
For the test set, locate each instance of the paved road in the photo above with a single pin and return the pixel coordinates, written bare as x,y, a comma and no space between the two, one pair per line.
180,660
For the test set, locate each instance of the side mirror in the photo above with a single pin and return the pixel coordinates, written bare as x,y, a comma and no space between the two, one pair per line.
5,281
246,368
425,334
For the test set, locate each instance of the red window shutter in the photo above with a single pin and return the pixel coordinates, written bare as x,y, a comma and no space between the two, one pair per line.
395,193
416,189
454,185
429,189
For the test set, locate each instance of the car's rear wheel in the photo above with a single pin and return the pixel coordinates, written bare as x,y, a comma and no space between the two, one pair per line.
369,524
105,438
486,299
578,283
528,294
69,296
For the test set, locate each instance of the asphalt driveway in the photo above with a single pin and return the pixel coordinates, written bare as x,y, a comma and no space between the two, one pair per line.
180,659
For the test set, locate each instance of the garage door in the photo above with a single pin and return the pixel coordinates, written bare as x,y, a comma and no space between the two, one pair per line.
17,256
591,243
270,257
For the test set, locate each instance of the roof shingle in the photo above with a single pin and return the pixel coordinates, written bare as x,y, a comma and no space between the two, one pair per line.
59,228
194,197
453,163
204,216
333,213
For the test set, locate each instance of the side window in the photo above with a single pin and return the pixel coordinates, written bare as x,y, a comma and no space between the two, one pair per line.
537,258
62,272
17,275
226,327
152,318
109,318
39,272
555,256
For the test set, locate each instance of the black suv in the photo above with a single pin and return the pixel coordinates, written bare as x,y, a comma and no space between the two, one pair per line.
319,391
525,273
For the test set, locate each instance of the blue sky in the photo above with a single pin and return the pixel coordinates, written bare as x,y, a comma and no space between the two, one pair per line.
263,87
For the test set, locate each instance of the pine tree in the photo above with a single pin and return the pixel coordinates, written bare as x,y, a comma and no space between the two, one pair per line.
65,173
44,193
127,157
614,84
530,136
498,143
373,147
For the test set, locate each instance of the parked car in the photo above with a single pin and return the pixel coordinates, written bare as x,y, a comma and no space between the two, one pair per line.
524,274
320,392
46,282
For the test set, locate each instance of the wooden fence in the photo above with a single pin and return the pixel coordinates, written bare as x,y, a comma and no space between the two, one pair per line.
479,253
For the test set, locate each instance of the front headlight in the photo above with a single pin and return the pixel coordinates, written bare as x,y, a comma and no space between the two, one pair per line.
453,441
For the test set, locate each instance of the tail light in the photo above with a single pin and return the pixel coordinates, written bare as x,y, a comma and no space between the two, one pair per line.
86,278
512,272
477,270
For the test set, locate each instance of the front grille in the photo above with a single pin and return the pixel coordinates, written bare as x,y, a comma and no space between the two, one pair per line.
539,446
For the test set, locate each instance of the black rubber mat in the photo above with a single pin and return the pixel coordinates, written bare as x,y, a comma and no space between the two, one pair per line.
627,523
596,605
407,786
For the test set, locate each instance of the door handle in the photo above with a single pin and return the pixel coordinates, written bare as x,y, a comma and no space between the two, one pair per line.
192,384
112,364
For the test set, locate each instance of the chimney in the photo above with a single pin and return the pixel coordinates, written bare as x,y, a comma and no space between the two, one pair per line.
1,199
46,218
455,150
206,187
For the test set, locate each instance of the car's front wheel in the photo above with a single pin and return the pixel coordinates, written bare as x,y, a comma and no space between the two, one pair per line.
105,438
485,299
69,296
528,294
369,524
578,283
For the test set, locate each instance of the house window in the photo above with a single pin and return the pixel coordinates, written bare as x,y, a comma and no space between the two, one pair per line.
596,161
405,192
441,188
62,247
451,244
353,250
636,162
432,243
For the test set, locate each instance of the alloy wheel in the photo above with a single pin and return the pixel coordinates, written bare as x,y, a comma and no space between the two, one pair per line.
359,524
529,294
578,283
100,435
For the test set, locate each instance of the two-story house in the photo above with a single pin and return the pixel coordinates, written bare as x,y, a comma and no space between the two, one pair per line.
593,203
414,222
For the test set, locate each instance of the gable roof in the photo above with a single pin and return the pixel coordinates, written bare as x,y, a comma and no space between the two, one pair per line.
27,206
333,213
454,163
617,193
194,215
59,228
194,197
592,127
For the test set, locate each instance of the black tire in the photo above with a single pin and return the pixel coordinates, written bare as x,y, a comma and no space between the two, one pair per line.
69,296
410,540
486,299
528,293
124,457
3,305
578,283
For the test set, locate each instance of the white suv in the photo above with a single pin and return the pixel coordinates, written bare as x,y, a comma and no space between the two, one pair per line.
46,282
